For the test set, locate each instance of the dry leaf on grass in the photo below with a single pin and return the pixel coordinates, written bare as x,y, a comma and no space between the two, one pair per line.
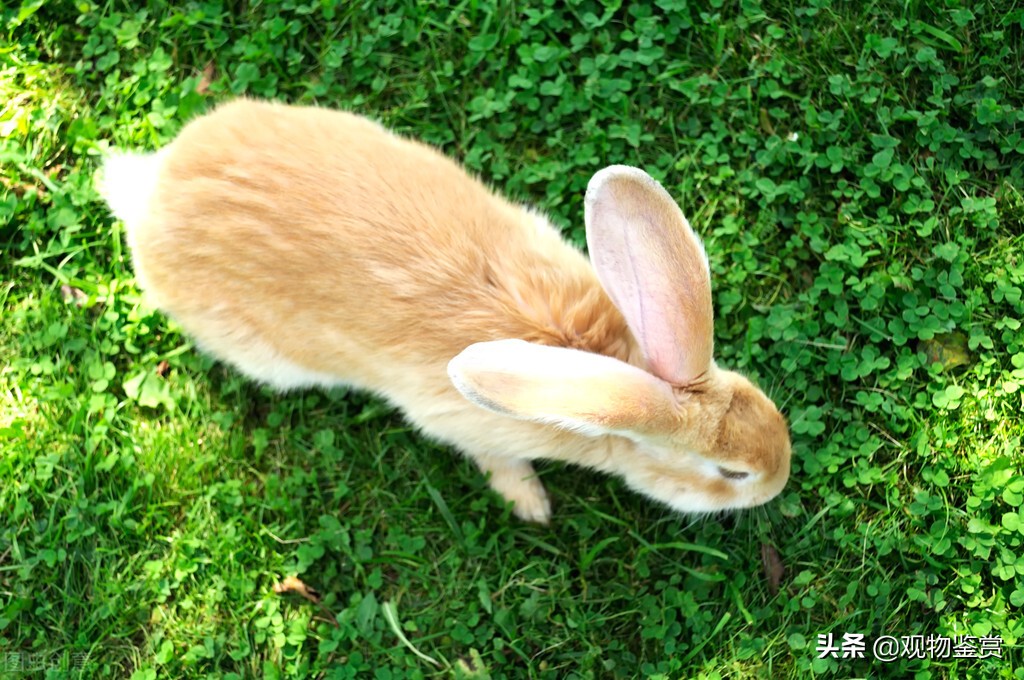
72,294
292,585
295,586
949,349
206,78
774,570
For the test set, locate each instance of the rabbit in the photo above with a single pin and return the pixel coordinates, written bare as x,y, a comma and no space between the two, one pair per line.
312,247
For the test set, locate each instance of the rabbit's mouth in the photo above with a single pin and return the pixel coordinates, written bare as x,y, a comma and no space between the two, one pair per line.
693,484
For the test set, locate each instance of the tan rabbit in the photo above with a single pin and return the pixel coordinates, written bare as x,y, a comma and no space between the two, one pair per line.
307,247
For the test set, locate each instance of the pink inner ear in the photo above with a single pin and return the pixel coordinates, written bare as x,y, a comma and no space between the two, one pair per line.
654,269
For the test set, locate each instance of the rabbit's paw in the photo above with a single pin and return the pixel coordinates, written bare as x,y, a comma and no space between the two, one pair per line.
517,482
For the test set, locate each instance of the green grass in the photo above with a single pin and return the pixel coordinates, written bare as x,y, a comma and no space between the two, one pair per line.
856,172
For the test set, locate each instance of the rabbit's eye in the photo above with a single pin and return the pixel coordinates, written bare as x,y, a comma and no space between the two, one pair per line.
732,474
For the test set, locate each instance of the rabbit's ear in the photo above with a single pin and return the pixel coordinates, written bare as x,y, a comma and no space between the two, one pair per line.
654,268
577,390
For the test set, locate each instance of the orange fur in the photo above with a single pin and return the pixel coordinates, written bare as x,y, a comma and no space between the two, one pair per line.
312,247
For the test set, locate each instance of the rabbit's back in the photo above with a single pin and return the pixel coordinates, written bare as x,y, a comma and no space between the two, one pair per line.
317,241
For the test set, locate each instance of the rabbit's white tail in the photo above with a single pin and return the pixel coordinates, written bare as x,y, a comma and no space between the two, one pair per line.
127,183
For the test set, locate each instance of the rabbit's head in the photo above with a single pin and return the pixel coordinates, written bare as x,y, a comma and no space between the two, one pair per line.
685,432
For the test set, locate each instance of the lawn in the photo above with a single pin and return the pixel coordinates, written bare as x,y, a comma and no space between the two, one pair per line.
856,172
